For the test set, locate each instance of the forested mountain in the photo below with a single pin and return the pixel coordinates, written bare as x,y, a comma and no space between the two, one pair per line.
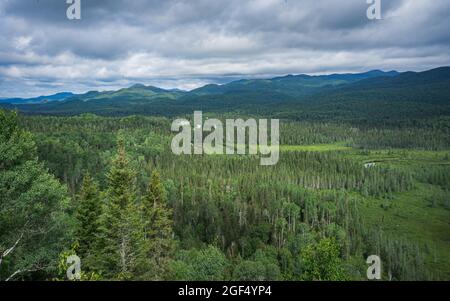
291,85
407,97
137,92
41,99
370,95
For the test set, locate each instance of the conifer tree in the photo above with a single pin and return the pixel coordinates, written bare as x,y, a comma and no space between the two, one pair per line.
121,239
87,214
157,226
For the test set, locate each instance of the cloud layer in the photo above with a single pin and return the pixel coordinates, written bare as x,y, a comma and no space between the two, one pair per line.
188,43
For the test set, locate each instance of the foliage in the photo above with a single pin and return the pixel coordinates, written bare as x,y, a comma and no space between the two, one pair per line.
34,208
87,214
63,266
321,261
161,216
208,264
157,227
121,240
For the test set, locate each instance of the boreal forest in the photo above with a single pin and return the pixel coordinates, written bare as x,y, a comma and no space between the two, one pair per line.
364,170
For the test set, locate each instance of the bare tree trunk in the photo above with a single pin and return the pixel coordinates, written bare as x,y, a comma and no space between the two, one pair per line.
8,251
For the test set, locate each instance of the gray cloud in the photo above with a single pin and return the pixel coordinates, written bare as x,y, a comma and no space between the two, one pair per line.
187,43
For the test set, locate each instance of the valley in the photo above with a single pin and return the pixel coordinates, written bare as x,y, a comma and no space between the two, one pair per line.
363,170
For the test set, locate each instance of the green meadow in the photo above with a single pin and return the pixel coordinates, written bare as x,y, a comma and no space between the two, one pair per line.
421,215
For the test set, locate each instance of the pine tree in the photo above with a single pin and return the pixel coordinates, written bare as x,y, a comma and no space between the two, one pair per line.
87,214
121,239
157,226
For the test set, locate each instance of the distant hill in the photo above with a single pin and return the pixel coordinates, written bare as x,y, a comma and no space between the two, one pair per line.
364,97
407,96
40,99
135,93
292,85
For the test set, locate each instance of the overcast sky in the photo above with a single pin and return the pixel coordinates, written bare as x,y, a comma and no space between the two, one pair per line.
188,43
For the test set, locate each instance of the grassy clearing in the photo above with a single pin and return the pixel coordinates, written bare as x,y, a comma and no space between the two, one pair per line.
421,215
315,147
411,215
402,158
300,148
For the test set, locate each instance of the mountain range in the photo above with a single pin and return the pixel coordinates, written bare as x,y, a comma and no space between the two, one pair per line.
41,99
369,95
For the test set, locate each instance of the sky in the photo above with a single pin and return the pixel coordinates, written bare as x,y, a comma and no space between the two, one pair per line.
185,44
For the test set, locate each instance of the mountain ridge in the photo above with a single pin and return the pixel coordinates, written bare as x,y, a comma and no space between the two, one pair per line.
371,73
39,99
366,96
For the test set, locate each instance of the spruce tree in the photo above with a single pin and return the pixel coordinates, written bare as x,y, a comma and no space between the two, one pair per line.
87,214
121,238
157,226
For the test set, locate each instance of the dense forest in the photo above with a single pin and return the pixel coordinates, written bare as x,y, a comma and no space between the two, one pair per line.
109,190
259,144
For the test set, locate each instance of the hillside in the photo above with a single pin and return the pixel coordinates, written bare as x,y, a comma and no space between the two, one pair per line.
361,97
41,99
